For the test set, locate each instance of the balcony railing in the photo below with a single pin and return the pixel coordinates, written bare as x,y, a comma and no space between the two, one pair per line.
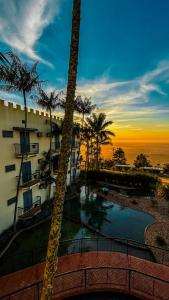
55,146
31,180
26,149
30,212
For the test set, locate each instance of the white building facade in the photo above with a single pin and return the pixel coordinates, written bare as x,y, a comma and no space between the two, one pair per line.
31,188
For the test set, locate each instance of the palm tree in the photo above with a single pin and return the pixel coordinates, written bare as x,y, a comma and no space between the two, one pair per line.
19,77
86,138
49,102
98,125
54,235
3,58
84,107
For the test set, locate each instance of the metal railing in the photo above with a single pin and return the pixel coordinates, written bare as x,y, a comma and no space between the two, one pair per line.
21,212
30,180
26,149
125,280
13,263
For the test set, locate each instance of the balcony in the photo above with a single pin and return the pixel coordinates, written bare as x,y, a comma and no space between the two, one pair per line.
24,214
56,146
29,181
30,149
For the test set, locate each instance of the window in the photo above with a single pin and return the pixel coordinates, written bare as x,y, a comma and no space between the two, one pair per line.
11,201
9,168
7,133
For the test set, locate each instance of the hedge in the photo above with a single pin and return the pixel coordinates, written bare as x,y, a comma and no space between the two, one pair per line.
132,179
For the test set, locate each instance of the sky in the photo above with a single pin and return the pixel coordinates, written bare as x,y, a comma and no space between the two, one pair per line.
123,58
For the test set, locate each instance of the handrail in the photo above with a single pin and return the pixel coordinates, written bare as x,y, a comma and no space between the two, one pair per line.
22,210
34,176
129,281
26,149
22,260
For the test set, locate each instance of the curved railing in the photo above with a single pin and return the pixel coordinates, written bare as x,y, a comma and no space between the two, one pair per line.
10,263
124,280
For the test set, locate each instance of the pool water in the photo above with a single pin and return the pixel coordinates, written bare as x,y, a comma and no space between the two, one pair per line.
109,218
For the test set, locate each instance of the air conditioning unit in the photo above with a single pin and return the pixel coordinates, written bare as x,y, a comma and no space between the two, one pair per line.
39,134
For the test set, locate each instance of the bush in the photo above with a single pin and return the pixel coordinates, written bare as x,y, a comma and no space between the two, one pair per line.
160,241
134,179
163,192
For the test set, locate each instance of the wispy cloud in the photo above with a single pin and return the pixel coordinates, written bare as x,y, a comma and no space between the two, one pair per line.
123,97
11,97
22,23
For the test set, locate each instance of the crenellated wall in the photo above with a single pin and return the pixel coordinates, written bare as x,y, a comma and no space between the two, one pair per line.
12,119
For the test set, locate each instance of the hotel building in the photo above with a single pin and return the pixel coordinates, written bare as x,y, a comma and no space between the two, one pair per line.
32,192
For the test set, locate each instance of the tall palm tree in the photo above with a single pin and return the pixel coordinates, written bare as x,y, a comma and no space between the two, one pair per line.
49,102
84,107
3,58
19,77
98,125
86,138
54,235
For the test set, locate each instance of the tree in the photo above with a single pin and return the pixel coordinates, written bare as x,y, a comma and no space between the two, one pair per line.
142,161
86,138
98,125
19,77
84,107
49,102
54,235
119,157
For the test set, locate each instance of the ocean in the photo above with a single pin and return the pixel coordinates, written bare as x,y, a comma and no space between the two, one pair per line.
158,153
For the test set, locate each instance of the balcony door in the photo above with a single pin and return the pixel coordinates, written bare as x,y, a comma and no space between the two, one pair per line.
27,200
26,171
25,142
57,143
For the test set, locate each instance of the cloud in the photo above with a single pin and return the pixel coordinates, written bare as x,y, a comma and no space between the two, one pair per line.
22,23
11,97
128,98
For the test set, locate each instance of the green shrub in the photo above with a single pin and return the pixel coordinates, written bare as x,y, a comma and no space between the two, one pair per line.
132,179
162,192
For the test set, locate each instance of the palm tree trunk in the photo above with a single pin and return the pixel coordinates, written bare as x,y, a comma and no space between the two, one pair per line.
70,161
97,152
20,169
80,143
87,155
50,151
54,236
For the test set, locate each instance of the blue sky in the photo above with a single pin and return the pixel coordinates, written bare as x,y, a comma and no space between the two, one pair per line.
123,59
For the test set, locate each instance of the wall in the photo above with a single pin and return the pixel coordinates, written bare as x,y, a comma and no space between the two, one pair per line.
11,115
152,285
